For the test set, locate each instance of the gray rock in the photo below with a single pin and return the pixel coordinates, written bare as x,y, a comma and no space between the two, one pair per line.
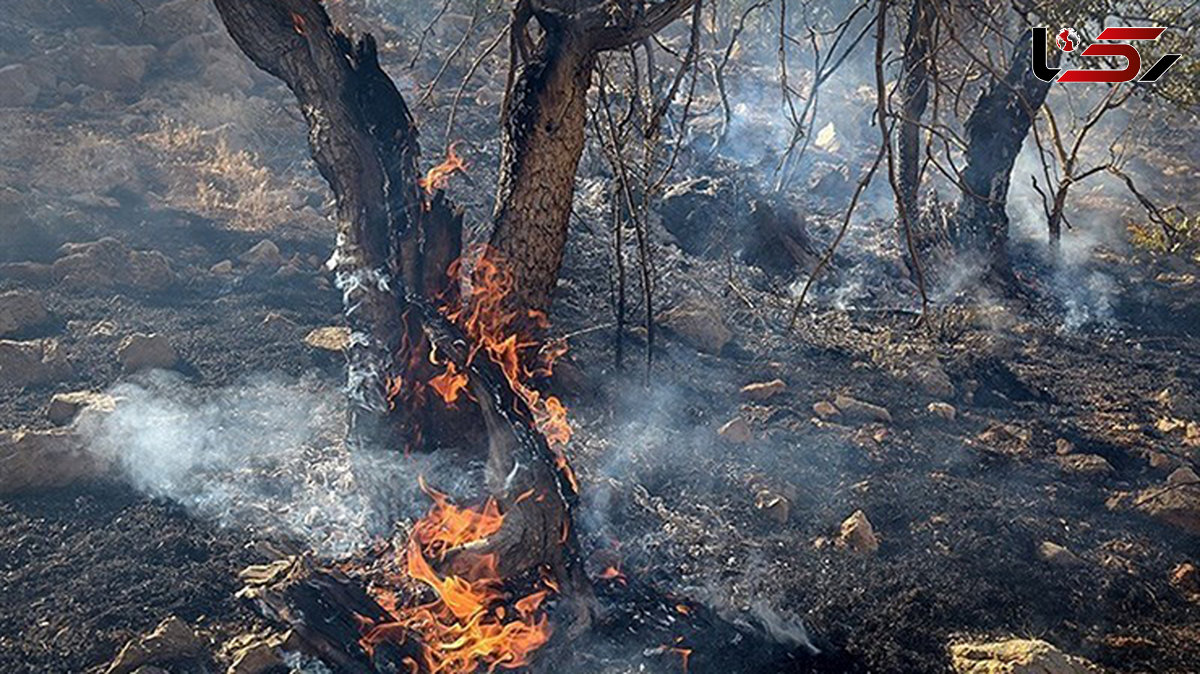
146,352
117,68
45,459
21,310
17,86
698,322
38,361
107,263
172,640
64,407
855,408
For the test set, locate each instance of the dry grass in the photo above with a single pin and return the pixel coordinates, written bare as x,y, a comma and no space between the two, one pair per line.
204,174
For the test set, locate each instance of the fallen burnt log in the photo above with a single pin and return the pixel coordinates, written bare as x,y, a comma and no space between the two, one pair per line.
639,629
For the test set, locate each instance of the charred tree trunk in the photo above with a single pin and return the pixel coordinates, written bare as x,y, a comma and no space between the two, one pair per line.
393,249
995,131
544,125
545,115
914,92
364,142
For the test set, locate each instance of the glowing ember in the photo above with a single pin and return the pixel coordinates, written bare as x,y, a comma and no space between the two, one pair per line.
438,177
614,574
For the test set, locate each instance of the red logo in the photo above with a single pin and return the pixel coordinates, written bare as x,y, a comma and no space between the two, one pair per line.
1066,39
1110,42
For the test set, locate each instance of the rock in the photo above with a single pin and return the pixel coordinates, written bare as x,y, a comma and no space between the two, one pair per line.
119,68
1183,476
256,653
146,352
222,268
1159,460
178,20
1090,465
107,263
763,390
1054,553
698,323
736,431
255,659
1186,578
775,238
172,640
1016,656
1177,503
225,72
944,411
330,339
773,505
38,361
858,535
44,459
1063,447
149,270
31,273
854,408
932,379
17,86
1005,439
64,407
263,255
21,310
688,210
276,322
825,410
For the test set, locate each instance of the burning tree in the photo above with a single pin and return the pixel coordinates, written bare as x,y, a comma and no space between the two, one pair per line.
419,344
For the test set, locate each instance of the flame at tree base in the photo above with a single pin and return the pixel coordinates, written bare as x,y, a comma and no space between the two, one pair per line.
471,623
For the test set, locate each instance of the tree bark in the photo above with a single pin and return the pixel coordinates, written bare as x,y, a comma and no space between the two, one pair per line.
995,131
545,115
364,142
393,248
914,92
544,124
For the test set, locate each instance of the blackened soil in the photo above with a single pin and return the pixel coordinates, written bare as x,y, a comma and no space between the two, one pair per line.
85,570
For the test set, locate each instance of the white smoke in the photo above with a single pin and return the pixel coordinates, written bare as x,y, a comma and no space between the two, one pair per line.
266,455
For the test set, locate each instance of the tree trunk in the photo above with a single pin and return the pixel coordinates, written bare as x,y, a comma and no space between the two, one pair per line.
544,122
914,92
364,142
995,131
393,248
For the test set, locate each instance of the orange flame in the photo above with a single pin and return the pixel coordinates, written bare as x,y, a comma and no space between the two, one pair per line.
494,328
450,383
614,574
438,177
471,623
467,626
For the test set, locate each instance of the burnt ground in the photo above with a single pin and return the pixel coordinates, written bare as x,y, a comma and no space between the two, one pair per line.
960,512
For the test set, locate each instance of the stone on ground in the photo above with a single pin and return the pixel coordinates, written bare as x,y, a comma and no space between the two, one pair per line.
1016,656
139,352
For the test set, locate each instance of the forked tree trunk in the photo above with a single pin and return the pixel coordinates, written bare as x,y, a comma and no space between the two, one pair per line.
393,248
364,142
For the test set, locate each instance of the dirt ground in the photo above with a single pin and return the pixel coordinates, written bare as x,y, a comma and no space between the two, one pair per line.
961,506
